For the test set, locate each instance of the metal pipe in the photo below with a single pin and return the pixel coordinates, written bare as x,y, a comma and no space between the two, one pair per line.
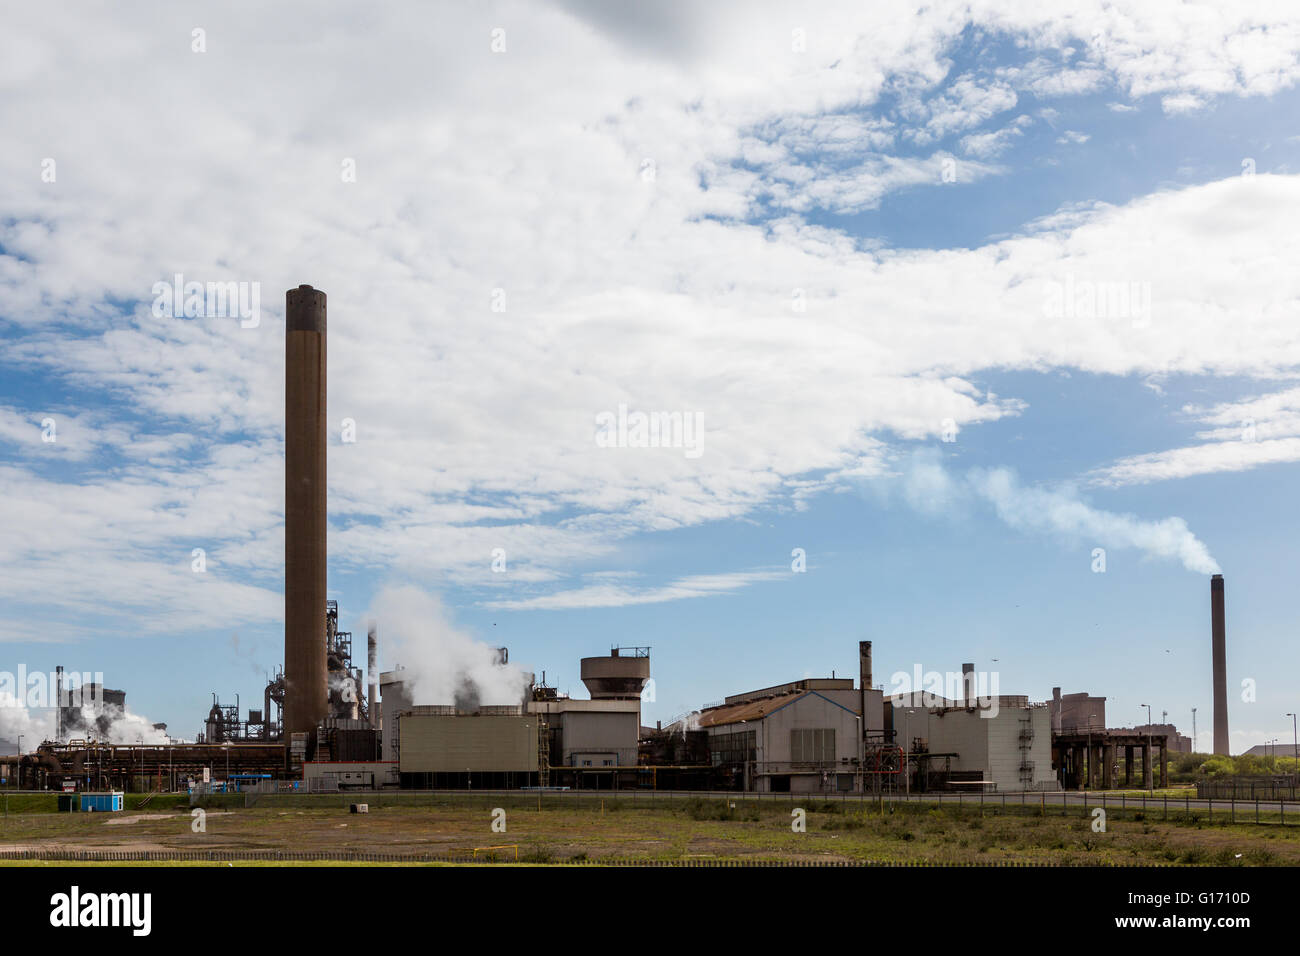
305,675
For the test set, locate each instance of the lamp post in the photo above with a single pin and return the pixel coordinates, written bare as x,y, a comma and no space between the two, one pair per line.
1295,752
1193,730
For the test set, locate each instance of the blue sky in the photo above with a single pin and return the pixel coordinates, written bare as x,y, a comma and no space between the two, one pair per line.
829,254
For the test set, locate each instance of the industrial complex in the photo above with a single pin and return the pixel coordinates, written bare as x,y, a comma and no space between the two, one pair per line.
324,724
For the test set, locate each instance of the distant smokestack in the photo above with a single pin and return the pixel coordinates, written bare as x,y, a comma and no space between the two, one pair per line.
372,675
305,674
864,681
1218,639
968,683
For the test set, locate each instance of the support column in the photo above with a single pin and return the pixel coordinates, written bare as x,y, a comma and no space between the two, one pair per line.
1108,766
1146,766
1164,763
1128,765
1081,774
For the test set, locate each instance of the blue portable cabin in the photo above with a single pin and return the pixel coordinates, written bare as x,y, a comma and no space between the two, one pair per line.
108,802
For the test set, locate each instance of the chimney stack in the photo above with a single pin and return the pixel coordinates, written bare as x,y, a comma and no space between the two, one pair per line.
372,675
968,684
305,675
864,681
1218,638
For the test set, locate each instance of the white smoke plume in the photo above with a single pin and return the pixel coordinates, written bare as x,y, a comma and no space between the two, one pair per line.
930,488
39,724
443,665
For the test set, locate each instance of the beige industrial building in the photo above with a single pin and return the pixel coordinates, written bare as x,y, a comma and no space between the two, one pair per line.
1000,743
546,739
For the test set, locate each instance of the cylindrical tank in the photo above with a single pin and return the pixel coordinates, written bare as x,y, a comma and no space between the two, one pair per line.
615,676
305,699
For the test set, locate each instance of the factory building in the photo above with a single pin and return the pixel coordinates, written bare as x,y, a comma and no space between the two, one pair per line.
801,737
547,739
1001,743
1077,713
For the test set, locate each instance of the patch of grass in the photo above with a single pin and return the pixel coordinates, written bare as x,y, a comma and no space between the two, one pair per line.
729,810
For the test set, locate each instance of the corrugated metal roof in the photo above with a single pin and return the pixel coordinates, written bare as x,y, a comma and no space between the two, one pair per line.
747,710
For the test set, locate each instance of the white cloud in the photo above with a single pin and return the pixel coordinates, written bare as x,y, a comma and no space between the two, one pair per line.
992,144
618,595
1179,103
478,171
1246,434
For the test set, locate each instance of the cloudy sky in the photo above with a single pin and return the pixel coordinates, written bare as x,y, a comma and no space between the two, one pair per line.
954,298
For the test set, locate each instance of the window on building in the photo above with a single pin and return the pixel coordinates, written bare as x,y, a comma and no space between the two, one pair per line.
736,747
813,745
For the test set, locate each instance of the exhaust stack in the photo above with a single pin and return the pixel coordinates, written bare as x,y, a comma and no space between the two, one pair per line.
864,681
305,674
1218,640
372,675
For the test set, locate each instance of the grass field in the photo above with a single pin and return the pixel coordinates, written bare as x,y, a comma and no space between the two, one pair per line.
697,829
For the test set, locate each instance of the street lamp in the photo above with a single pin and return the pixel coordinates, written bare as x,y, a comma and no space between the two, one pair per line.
1194,730
1295,751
